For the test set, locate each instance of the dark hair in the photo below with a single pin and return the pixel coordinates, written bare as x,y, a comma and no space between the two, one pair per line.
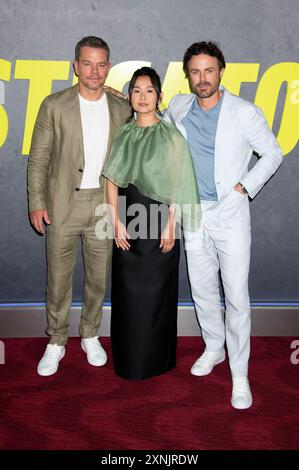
91,41
209,48
154,77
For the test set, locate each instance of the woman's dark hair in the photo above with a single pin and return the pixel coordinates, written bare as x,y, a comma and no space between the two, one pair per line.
209,48
154,78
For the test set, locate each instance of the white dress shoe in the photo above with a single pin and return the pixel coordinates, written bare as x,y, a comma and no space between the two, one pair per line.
49,363
206,362
241,396
96,355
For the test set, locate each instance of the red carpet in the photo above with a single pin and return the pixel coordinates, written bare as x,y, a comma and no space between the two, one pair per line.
84,407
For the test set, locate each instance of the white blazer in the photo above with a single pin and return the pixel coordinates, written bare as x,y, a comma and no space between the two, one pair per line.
241,129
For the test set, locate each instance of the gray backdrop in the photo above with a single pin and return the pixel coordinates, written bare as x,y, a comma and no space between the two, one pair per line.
158,31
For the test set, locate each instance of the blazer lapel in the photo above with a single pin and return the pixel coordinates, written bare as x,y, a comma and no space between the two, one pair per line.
223,129
114,121
73,116
182,113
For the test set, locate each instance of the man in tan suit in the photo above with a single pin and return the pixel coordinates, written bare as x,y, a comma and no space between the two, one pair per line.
70,144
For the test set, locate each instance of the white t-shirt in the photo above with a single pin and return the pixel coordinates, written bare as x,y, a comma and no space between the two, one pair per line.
95,127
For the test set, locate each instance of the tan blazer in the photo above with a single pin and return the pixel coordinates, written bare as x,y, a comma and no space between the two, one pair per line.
56,160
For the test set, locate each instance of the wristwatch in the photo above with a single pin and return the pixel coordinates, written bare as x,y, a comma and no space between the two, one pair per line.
243,188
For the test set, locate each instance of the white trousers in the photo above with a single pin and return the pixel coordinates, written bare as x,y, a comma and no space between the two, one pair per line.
223,243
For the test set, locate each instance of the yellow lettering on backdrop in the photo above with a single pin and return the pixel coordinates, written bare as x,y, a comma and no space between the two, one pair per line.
40,73
267,96
121,73
174,82
5,71
237,73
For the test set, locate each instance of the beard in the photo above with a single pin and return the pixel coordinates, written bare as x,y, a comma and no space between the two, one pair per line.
205,89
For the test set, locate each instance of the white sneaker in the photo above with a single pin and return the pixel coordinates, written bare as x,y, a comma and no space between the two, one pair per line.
206,362
96,355
49,363
241,395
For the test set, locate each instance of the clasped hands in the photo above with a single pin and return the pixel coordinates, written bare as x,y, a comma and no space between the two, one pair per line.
122,237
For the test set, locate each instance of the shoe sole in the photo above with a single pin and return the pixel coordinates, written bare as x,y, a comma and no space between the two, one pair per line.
242,407
208,371
47,374
90,362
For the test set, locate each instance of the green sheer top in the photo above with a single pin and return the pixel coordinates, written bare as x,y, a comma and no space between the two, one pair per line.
156,159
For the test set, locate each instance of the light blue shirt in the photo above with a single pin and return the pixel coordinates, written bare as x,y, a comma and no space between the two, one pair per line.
201,127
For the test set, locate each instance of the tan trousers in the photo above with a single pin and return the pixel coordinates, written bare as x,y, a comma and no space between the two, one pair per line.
62,244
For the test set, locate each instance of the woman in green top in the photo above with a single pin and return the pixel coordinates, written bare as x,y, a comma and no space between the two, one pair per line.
150,165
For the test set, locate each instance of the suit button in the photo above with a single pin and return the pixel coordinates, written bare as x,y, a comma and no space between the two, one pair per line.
77,189
80,169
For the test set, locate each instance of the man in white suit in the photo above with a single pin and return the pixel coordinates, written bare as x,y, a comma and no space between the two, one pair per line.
222,131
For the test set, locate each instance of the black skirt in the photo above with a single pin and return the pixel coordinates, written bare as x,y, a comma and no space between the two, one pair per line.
144,300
